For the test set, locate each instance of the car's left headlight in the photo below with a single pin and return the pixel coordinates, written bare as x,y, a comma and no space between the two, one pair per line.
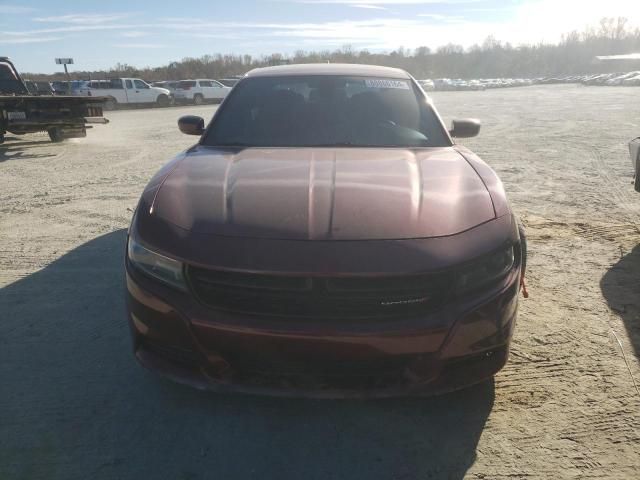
486,270
165,269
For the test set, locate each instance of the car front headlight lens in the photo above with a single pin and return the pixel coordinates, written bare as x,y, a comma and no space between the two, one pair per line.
165,269
486,270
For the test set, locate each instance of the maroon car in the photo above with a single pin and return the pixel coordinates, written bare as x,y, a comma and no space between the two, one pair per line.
325,237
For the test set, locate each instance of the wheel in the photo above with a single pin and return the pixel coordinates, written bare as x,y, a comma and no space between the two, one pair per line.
1,138
110,104
198,99
55,134
636,185
162,101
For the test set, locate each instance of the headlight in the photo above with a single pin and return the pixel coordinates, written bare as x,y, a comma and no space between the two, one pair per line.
486,270
165,269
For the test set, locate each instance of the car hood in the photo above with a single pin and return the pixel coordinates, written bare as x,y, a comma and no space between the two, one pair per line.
323,193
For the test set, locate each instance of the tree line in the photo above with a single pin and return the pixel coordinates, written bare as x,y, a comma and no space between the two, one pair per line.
574,54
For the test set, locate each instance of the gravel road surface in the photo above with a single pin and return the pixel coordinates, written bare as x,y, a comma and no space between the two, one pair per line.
75,405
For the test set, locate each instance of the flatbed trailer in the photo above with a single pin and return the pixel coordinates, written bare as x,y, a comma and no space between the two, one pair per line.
61,117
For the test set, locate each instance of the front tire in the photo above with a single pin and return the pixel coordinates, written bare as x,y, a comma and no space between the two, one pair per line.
110,104
198,99
162,101
55,135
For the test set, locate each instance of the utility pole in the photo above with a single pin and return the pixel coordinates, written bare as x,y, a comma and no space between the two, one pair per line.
65,62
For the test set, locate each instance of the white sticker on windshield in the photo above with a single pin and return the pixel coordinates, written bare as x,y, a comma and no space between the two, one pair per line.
380,83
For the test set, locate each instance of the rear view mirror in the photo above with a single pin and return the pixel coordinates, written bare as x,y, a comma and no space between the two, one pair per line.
465,128
191,125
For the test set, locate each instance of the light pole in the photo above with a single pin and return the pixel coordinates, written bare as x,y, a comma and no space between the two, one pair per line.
65,62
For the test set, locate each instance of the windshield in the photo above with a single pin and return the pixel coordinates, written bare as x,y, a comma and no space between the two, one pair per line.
317,111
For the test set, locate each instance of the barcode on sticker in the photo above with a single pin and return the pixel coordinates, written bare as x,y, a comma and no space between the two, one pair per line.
17,115
379,83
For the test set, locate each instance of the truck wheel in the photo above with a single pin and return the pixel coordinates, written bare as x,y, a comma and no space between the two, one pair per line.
110,104
55,134
637,183
198,99
162,101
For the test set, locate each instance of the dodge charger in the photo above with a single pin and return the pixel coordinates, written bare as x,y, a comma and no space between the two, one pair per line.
325,237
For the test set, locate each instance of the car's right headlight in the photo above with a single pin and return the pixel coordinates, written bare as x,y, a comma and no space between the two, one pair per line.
165,269
486,270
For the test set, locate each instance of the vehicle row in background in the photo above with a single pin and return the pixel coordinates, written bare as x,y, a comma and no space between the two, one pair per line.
125,91
135,91
24,110
628,79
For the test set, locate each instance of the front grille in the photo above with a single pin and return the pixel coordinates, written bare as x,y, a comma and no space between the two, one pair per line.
320,297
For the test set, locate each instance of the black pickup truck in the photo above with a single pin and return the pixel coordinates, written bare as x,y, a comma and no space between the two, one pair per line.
61,117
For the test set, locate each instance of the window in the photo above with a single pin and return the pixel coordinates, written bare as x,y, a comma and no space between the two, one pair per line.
323,110
8,81
186,84
206,83
129,84
140,84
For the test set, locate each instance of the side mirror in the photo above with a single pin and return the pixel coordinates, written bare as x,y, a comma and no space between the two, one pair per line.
191,125
468,127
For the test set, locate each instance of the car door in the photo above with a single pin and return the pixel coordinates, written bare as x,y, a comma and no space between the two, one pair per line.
143,91
130,90
206,87
218,91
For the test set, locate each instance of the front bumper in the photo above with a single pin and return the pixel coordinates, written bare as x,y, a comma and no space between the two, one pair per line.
459,345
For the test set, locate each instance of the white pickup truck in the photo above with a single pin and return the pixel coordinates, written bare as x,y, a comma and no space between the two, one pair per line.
126,91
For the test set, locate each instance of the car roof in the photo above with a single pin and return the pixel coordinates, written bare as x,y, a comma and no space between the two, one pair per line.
329,69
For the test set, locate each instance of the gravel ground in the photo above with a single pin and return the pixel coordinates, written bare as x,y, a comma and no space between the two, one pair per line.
75,405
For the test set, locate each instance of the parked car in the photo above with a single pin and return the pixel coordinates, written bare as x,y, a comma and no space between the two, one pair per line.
169,85
39,87
427,85
229,82
633,81
634,150
68,88
617,81
325,236
126,91
200,91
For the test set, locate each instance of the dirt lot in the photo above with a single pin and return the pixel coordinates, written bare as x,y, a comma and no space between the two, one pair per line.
75,405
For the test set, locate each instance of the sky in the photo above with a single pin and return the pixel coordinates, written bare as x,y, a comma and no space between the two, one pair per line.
99,34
